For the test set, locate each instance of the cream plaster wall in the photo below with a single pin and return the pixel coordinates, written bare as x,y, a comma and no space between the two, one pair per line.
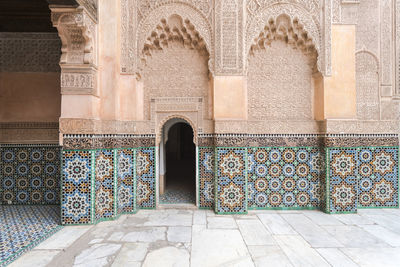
30,97
340,88
230,97
109,45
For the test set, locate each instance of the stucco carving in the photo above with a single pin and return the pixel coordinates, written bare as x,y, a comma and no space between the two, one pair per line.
229,42
336,11
280,81
29,52
149,14
162,121
91,6
397,40
78,32
305,12
386,41
29,133
177,72
173,30
367,79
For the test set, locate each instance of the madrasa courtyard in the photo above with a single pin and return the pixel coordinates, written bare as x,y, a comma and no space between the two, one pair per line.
199,132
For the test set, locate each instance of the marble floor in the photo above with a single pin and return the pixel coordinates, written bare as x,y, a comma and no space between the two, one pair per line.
173,237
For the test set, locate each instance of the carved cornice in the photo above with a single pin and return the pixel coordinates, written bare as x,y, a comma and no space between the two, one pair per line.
78,32
28,132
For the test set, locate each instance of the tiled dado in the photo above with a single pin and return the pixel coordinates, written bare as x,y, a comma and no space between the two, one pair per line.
29,174
362,177
231,180
335,180
101,184
284,177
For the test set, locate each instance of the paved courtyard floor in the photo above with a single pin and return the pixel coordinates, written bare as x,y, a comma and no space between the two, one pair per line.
173,237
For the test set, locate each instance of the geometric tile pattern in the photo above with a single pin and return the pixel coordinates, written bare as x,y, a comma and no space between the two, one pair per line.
146,180
206,177
342,180
378,171
77,187
231,180
23,227
30,175
126,173
364,177
105,185
284,177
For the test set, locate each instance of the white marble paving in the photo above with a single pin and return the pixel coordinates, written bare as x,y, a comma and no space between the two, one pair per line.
276,224
254,233
64,238
354,237
201,238
221,222
336,257
313,233
299,251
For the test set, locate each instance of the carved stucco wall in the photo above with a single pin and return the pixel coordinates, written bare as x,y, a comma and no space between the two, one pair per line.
176,71
30,102
279,84
367,79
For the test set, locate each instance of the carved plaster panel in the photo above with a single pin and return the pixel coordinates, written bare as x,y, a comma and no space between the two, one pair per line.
29,52
78,33
29,132
336,11
307,13
149,13
280,83
229,41
367,81
77,29
91,6
386,41
397,23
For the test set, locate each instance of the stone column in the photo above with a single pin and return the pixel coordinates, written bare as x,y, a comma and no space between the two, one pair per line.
77,28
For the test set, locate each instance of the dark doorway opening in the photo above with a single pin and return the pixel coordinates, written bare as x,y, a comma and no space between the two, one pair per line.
180,152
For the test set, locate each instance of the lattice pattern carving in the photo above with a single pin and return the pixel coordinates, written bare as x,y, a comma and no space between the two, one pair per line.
174,30
290,31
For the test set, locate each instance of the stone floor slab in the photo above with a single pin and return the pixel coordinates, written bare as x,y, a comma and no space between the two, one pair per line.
179,234
97,255
373,257
222,247
167,257
254,233
276,224
336,257
64,238
221,222
299,251
384,234
354,237
311,232
37,258
153,234
131,254
268,256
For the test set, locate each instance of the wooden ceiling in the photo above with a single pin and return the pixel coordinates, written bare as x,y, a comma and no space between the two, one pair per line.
28,15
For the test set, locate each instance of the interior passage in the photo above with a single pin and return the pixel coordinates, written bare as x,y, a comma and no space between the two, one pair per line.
180,163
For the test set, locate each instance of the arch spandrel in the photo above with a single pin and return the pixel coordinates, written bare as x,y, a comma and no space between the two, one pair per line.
262,18
186,12
171,117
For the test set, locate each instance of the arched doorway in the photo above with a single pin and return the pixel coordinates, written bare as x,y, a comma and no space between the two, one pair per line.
178,164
